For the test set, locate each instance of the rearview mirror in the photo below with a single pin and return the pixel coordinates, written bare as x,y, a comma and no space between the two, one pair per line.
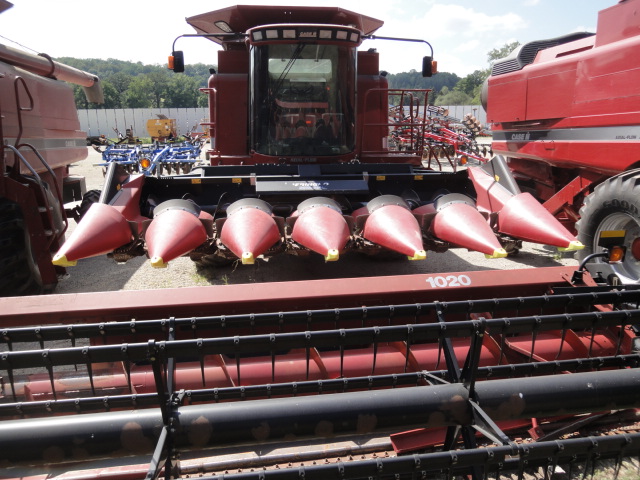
176,61
429,66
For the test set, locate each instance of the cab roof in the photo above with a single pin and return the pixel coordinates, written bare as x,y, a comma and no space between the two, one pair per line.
241,18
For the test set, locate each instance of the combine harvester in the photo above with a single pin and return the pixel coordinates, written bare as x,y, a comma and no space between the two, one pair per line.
40,138
565,112
398,377
301,163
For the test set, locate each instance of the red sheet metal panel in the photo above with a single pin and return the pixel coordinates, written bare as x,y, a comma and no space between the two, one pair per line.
276,296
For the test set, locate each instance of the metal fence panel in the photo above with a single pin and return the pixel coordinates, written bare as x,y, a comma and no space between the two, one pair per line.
459,111
103,121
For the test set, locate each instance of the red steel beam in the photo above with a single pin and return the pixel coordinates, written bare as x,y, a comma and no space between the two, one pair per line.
278,296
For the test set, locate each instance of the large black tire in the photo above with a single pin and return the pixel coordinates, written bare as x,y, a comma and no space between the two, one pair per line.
614,205
19,273
88,199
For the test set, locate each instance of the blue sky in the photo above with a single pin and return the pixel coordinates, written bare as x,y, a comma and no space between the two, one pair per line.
461,31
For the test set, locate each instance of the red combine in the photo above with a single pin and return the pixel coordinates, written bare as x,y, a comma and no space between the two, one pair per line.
566,113
39,138
301,163
465,373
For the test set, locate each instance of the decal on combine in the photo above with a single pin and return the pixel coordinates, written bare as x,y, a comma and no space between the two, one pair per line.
445,281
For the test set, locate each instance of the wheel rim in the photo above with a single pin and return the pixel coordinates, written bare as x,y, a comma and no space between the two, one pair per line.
629,269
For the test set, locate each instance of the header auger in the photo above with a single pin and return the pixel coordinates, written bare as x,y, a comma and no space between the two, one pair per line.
377,379
301,164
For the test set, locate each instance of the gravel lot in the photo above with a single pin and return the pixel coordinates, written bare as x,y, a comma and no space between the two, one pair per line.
103,274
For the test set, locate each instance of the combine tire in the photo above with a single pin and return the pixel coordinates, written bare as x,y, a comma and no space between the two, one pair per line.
614,205
19,274
88,199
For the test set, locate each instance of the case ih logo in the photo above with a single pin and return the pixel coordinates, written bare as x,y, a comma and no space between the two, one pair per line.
521,137
308,33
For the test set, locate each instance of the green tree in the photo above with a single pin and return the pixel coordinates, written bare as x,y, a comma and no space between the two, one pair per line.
80,98
182,92
453,97
203,100
120,75
498,53
471,82
471,85
120,82
112,97
413,79
159,81
139,94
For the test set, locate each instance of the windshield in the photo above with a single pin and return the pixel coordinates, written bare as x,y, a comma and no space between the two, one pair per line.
303,99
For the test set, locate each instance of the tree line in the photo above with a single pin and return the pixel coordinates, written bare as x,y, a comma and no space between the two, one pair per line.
135,85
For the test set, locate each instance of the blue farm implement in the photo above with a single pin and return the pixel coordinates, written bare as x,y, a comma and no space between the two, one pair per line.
154,159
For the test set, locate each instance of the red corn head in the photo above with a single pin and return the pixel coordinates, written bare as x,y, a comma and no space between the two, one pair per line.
460,223
249,230
519,214
525,218
392,225
102,229
176,229
321,227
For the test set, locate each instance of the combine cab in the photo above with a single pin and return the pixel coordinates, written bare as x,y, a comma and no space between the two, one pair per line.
301,161
566,114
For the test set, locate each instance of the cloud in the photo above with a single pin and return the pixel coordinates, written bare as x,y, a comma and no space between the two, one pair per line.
530,3
468,46
454,20
461,36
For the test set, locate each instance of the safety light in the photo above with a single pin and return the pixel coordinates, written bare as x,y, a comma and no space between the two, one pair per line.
616,254
145,163
224,26
463,159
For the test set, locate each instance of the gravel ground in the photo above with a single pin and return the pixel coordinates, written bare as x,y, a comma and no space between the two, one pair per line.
103,274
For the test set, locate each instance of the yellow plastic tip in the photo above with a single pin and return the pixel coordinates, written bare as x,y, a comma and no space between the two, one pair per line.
419,255
573,246
61,261
332,255
497,253
248,258
157,262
